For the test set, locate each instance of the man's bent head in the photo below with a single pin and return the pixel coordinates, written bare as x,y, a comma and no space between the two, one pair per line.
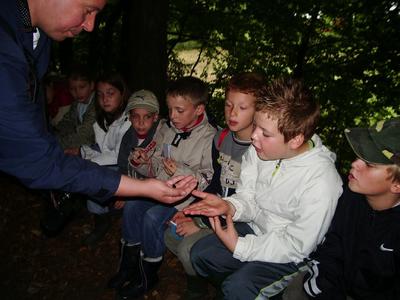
61,19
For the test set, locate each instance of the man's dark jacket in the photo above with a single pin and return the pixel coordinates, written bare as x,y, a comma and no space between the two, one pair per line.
27,150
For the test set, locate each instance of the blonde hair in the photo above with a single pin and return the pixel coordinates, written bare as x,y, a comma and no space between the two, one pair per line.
394,172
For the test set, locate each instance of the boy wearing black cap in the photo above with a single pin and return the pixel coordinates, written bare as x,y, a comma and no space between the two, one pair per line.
360,254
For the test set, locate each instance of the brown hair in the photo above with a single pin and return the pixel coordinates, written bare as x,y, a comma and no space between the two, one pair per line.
291,103
190,88
104,119
246,83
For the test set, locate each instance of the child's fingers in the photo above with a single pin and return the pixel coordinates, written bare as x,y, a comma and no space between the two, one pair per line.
186,220
165,163
229,222
211,219
137,152
182,220
144,155
169,166
199,194
197,209
217,225
177,215
179,230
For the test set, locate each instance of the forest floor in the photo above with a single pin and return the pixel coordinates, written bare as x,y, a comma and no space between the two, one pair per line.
36,267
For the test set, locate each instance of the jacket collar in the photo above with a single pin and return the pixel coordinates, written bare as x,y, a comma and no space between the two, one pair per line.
25,15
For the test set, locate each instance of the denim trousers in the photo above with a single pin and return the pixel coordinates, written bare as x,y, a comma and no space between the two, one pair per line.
144,222
239,280
181,248
96,208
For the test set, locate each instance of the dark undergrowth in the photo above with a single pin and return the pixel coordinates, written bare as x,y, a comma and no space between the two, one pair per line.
36,267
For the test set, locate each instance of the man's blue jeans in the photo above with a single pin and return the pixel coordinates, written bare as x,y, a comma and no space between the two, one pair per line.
144,222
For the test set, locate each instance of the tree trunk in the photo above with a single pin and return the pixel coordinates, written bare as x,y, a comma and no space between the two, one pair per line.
144,39
65,55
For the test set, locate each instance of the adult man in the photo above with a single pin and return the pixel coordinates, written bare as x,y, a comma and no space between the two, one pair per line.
27,150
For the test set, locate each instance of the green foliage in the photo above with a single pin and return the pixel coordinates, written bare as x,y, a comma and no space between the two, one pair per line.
347,52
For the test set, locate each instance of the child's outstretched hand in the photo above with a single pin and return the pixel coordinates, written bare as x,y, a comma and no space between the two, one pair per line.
210,206
169,166
138,157
228,236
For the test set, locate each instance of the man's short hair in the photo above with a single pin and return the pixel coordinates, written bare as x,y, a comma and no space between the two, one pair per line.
190,88
246,83
292,105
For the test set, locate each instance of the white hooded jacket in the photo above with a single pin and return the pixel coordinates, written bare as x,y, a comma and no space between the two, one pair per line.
108,142
288,204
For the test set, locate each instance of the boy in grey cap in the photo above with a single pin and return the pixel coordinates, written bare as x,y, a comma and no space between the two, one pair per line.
359,257
143,99
143,111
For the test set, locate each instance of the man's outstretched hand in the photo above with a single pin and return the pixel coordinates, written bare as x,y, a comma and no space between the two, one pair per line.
175,189
169,191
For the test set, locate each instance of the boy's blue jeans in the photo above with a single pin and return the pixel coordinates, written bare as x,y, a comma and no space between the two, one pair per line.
96,208
240,280
144,222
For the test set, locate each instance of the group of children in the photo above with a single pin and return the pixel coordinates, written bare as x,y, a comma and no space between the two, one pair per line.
269,203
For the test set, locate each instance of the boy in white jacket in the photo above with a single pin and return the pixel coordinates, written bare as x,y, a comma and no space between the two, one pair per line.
286,198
